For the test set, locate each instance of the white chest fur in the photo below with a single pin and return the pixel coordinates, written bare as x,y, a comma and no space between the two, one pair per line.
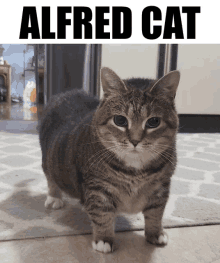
135,159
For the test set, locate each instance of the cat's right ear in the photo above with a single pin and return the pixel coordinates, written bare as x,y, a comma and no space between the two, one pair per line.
111,83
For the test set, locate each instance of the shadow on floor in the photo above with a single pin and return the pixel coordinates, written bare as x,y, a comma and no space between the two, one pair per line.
25,216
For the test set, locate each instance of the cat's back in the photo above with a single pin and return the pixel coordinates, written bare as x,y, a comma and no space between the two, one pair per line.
70,106
65,110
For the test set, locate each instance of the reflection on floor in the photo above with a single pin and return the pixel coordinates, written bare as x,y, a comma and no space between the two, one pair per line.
16,111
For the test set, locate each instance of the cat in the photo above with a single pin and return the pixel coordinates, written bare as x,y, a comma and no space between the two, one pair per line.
115,155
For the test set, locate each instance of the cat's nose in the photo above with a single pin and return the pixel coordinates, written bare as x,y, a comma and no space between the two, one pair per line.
134,142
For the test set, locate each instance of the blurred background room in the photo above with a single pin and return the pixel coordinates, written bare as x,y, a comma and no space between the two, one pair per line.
31,74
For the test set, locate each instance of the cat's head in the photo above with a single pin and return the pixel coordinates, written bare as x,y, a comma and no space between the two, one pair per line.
137,123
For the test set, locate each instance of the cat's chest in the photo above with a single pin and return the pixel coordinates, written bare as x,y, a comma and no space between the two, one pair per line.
137,200
131,203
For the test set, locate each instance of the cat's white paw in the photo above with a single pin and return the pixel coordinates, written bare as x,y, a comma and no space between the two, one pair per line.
161,240
55,203
101,246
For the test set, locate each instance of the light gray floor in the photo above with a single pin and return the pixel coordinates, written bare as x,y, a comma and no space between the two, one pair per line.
186,245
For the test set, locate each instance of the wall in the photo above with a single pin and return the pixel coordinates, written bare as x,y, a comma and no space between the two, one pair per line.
199,88
131,60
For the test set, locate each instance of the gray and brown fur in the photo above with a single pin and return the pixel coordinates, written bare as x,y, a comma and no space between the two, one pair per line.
109,168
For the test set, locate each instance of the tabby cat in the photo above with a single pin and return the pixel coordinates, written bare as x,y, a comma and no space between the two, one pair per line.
116,155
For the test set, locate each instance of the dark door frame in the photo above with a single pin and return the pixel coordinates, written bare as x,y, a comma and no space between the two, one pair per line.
167,59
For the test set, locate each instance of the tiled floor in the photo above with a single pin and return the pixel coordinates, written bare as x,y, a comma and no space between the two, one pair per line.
186,245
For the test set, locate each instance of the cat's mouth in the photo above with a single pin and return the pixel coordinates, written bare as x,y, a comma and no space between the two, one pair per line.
134,150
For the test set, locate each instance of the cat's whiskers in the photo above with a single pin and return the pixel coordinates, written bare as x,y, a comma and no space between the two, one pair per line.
168,157
166,146
163,156
102,159
163,147
157,150
119,144
132,158
99,154
139,170
121,150
108,157
109,175
154,152
98,158
142,148
166,153
108,160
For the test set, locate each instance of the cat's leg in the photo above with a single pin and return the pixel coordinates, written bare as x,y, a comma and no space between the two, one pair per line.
102,215
103,233
54,197
154,232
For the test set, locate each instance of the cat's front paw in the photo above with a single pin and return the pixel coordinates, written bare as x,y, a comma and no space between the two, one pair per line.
102,246
161,239
53,202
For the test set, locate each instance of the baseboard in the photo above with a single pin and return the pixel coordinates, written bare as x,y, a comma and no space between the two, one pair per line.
189,123
199,123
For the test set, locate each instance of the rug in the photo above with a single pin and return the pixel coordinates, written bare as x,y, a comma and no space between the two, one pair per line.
194,198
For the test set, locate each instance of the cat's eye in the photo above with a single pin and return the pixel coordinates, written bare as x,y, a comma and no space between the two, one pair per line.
120,120
153,122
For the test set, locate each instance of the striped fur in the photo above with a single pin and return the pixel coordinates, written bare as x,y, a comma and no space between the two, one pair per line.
87,156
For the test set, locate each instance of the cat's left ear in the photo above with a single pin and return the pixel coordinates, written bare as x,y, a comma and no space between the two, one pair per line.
168,84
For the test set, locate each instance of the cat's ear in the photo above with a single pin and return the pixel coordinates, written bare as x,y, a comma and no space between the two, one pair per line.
167,84
111,83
